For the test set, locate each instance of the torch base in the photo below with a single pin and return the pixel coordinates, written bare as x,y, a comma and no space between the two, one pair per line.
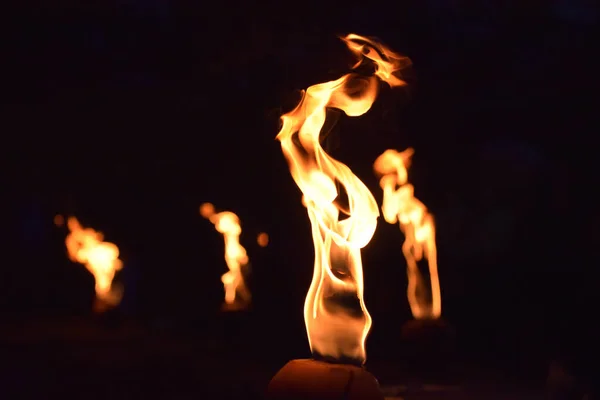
233,330
319,380
234,307
429,348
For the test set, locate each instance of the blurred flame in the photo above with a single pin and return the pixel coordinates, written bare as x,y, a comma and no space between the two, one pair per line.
262,239
337,321
86,246
227,223
400,205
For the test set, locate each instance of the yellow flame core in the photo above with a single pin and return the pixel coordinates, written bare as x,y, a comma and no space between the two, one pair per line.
86,246
236,293
400,205
337,321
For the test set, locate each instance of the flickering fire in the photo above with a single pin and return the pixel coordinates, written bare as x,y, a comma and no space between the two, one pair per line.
262,239
237,294
337,321
86,246
400,205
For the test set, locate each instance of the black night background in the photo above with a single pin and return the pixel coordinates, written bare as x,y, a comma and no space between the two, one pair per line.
130,114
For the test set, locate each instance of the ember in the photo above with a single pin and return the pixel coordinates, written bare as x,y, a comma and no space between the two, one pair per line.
59,220
262,239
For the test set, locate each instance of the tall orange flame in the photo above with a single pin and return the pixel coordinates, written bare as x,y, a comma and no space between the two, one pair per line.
237,295
400,205
86,246
337,321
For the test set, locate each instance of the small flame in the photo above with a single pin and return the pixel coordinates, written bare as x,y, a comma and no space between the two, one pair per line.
337,321
86,247
400,205
262,239
237,294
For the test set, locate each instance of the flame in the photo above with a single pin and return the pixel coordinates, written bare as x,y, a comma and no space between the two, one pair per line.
86,247
337,321
237,294
262,239
400,205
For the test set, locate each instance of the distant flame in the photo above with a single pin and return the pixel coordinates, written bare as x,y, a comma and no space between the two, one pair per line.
337,321
400,205
237,294
86,246
262,239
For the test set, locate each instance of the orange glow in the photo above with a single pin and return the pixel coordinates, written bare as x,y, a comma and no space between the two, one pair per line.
237,295
337,321
400,205
59,220
262,239
207,210
86,246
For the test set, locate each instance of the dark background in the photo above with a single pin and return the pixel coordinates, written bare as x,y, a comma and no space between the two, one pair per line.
130,115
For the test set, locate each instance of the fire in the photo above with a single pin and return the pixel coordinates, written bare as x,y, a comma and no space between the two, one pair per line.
237,294
337,321
400,205
86,246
